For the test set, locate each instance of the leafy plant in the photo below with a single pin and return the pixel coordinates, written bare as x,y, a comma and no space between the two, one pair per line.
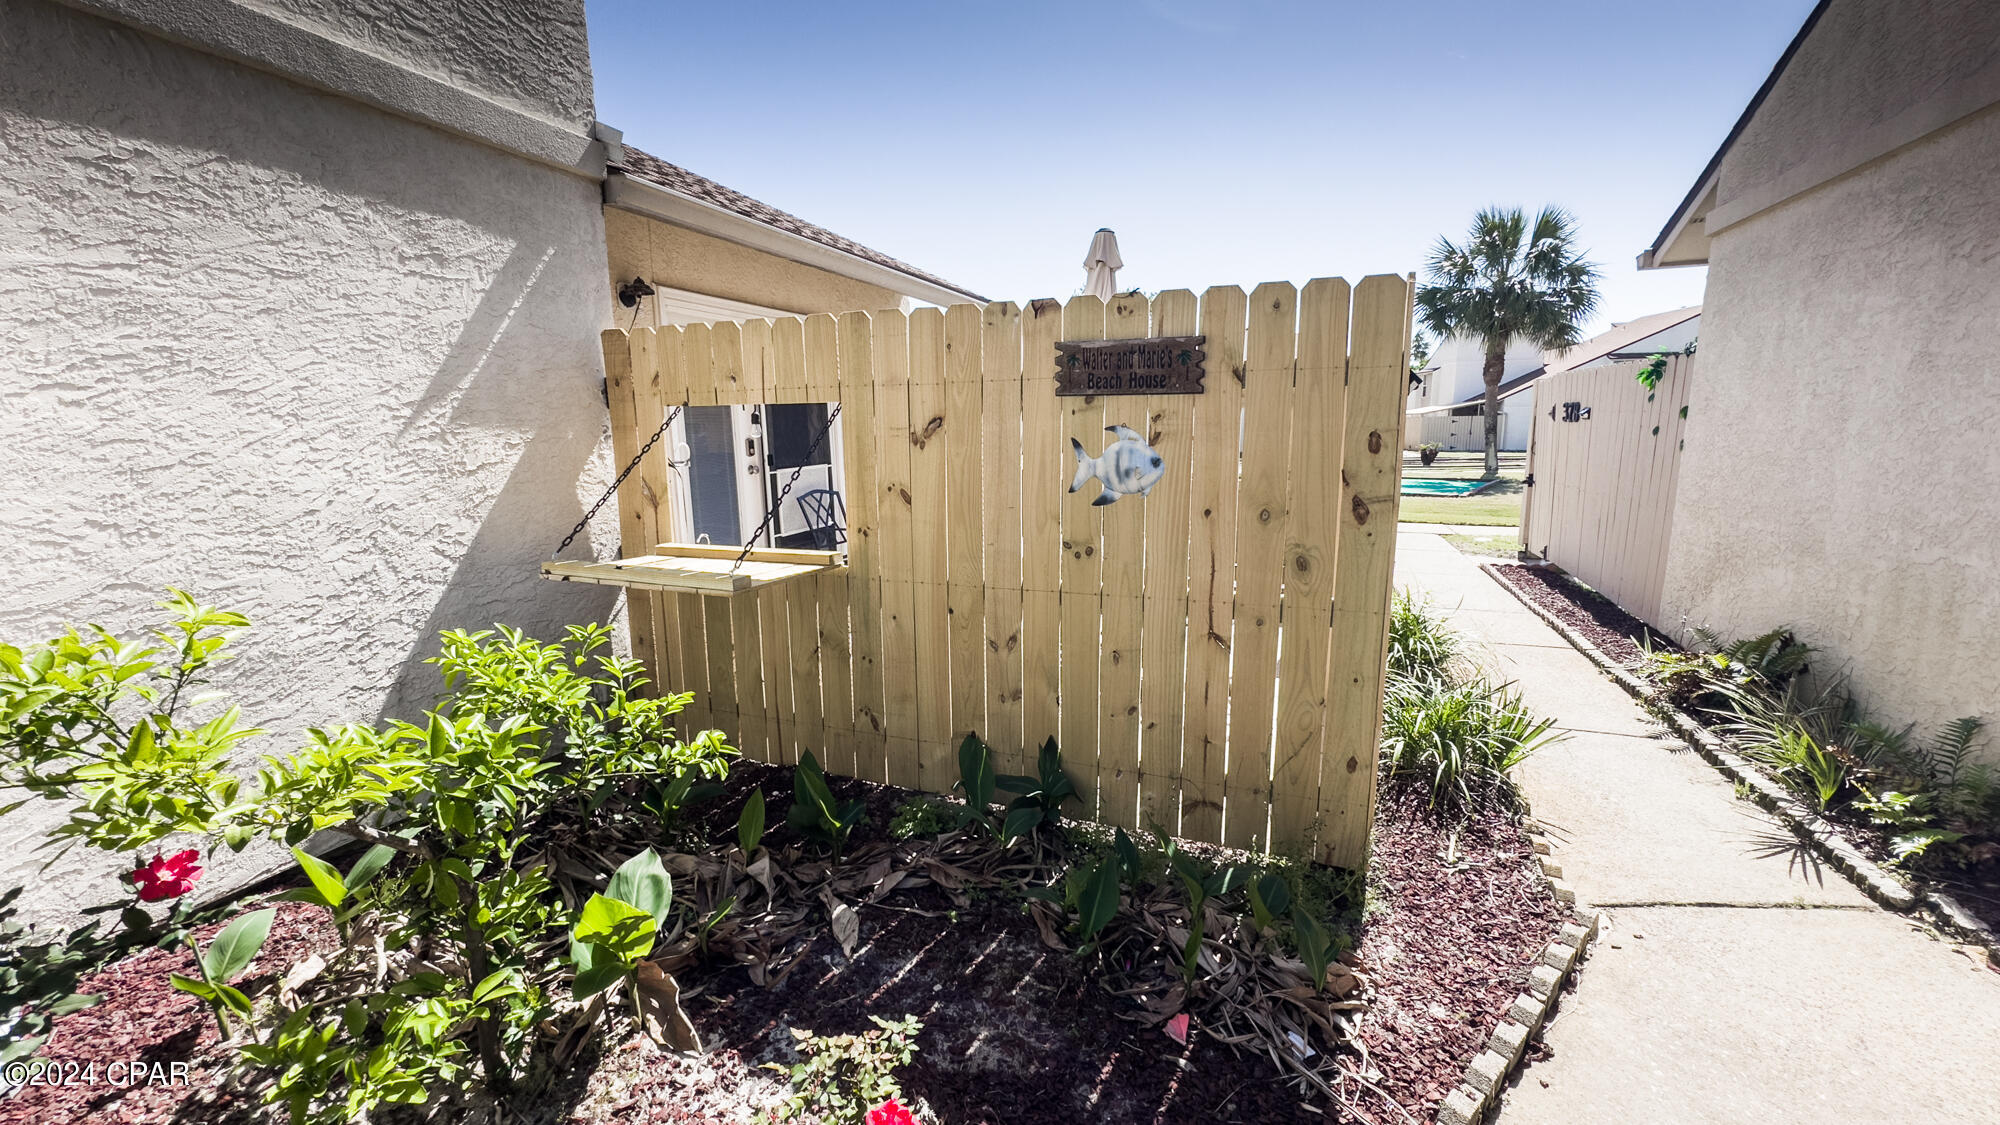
1092,893
1270,897
103,722
231,952
616,929
1421,645
750,823
920,816
975,780
1457,740
1041,797
815,814
1200,886
339,894
530,736
1316,944
840,1078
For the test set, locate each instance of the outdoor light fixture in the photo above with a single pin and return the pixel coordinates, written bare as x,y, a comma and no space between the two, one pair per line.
630,292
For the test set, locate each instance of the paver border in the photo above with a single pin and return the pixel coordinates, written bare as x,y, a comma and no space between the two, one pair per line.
1486,1075
1868,876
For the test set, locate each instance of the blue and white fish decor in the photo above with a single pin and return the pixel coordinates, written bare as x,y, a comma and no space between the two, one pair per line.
1127,467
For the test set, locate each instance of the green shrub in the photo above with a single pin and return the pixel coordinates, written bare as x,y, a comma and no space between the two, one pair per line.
842,1077
528,734
1421,644
1457,740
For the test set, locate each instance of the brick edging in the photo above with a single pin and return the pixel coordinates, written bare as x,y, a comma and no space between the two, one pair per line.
1871,878
1486,1076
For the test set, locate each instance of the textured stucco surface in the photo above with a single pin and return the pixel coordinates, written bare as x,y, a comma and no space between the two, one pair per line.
314,362
664,254
533,53
1838,475
1870,77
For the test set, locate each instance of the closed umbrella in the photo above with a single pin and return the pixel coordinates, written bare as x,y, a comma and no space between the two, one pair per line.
1101,265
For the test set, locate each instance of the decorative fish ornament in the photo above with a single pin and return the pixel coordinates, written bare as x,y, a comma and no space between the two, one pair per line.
1127,467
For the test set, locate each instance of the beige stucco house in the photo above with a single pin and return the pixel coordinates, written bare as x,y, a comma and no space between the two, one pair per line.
300,304
1838,476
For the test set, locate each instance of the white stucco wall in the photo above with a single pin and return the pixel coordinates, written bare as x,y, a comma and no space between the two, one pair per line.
313,361
1837,477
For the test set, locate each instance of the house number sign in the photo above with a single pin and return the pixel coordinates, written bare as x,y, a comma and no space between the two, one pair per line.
1157,365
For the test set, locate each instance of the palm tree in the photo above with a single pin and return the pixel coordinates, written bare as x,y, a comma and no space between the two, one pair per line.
1508,281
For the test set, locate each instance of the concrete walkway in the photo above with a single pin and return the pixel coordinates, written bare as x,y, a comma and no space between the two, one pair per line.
1728,987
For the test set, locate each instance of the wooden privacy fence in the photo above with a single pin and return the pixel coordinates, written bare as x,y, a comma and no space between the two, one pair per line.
1208,656
1604,459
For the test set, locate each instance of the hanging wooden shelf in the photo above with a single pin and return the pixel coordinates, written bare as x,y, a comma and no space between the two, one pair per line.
698,568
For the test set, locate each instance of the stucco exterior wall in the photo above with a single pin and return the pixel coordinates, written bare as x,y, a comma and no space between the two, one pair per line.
1832,480
668,255
311,361
1871,77
535,55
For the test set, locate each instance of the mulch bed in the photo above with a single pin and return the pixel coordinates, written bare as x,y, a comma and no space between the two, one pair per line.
152,1030
1616,633
1013,1031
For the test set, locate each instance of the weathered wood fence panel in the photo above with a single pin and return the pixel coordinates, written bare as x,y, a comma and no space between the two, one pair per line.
1605,458
1208,655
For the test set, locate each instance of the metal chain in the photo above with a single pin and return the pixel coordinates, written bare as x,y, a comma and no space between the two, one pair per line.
771,513
613,490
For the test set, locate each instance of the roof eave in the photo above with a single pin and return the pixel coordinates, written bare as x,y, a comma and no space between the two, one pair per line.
642,197
1658,255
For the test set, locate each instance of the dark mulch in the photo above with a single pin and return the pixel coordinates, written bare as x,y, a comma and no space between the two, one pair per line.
1616,633
1013,1031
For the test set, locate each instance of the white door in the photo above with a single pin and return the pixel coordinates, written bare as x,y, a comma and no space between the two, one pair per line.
735,460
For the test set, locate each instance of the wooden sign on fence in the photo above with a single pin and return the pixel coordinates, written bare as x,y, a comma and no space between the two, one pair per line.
1157,365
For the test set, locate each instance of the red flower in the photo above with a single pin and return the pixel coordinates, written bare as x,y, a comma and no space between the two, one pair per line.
167,876
890,1112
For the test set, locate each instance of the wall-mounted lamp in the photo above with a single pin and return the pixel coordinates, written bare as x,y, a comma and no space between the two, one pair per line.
630,292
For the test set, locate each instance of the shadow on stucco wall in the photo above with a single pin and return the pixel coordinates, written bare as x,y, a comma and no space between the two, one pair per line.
311,361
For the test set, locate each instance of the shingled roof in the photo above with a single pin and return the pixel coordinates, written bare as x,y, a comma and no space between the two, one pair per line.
644,166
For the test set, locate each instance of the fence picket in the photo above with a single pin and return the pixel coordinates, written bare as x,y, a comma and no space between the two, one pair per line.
1043,454
1212,562
1163,659
897,496
862,426
1318,429
964,510
1122,578
1371,462
1081,590
1000,416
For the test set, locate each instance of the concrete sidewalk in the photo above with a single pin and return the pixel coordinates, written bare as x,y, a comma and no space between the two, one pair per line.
1729,987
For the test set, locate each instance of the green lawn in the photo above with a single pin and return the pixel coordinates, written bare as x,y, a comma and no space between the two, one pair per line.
1498,506
1487,545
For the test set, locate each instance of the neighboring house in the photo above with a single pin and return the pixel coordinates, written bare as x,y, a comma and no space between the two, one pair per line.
1833,479
1449,406
300,304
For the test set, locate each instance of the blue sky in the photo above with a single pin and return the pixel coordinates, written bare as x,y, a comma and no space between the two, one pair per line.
1225,142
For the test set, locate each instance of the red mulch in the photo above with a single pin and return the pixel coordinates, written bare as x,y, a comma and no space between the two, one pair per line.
144,1019
1448,945
1616,633
1013,1032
